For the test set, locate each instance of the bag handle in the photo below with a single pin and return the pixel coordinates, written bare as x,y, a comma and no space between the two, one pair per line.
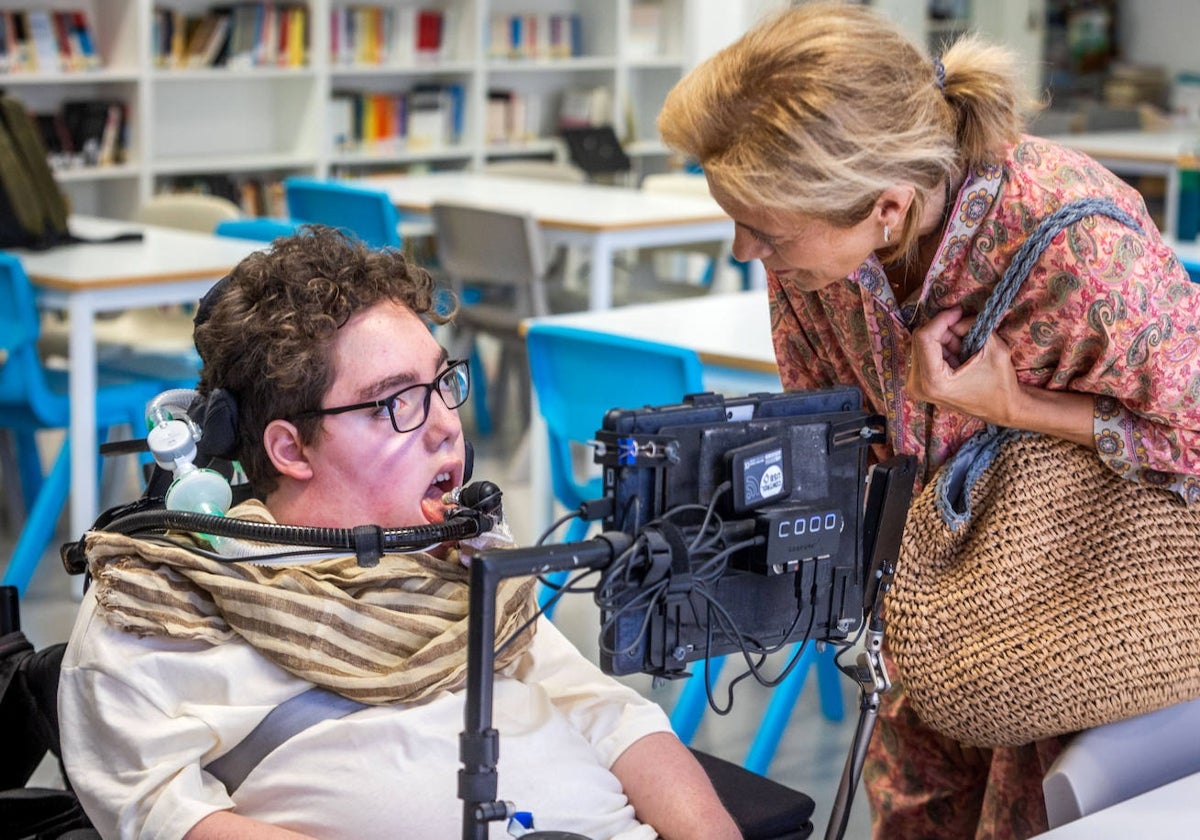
957,476
1027,255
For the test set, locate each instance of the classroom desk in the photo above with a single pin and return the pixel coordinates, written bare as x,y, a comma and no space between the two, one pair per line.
1141,153
600,219
1168,811
167,266
731,333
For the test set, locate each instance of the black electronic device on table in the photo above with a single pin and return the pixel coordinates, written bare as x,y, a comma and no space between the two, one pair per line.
596,150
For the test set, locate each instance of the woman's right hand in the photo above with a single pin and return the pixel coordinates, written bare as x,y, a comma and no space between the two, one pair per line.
984,386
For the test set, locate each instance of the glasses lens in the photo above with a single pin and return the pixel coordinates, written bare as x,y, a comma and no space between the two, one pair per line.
454,384
408,408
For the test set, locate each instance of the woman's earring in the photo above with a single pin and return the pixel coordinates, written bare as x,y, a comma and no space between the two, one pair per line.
887,234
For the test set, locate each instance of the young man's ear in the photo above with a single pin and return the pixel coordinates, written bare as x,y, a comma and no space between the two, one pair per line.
287,453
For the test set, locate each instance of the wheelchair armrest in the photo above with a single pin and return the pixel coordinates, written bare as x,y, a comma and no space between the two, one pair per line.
763,809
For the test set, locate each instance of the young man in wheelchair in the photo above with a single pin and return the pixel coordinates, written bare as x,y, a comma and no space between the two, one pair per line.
346,414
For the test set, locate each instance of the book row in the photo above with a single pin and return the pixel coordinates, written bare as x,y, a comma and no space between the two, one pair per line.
91,132
245,35
45,41
427,116
535,36
380,35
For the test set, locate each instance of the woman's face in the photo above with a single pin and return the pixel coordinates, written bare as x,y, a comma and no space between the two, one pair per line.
806,252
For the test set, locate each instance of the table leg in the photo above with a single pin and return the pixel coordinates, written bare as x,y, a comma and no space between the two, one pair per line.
541,492
1171,205
758,275
82,430
601,273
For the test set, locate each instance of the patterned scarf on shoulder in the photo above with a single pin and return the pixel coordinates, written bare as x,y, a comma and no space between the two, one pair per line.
393,633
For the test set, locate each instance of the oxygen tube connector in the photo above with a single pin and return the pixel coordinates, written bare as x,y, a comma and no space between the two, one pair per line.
195,489
173,404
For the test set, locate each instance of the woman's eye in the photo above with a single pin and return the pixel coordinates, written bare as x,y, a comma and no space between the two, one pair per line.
769,241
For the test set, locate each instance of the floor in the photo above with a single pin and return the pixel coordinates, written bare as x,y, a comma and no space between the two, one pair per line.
811,755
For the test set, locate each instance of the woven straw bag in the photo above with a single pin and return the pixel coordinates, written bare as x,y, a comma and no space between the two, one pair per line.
1036,592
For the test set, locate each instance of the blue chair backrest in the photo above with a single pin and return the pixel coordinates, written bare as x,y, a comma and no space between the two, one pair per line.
260,229
22,383
579,375
366,213
1192,267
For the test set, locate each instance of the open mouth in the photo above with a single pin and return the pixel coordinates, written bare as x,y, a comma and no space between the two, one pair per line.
433,506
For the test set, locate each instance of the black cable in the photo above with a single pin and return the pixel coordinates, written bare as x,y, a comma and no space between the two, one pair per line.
465,523
556,524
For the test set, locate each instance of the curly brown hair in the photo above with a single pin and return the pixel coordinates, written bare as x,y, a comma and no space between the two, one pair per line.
267,338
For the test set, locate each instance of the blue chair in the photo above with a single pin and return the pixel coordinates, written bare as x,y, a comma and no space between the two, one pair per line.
693,700
578,375
1192,267
262,229
32,398
365,213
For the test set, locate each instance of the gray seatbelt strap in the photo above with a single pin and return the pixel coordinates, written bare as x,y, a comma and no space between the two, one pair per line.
289,718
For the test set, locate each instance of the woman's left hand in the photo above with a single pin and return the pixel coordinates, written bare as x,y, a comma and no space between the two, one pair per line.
985,386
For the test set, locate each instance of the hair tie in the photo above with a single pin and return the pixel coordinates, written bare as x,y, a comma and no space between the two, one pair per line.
939,73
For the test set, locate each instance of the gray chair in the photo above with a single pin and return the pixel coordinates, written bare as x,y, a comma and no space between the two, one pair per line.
496,263
1115,762
665,285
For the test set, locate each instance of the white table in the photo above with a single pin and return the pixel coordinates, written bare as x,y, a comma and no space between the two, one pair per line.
731,333
1134,152
1172,810
601,219
167,266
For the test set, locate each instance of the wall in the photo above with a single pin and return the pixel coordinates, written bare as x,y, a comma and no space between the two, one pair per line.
718,23
1160,32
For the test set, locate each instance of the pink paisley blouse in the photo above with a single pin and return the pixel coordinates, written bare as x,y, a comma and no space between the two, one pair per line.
1106,310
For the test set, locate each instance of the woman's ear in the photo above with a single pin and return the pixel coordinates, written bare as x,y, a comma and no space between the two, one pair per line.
286,451
891,208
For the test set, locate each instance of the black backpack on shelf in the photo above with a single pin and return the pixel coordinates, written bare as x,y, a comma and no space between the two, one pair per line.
33,209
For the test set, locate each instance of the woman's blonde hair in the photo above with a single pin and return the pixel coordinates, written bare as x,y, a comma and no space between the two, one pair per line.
820,108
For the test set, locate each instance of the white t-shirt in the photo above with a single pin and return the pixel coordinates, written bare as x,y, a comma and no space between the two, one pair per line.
141,716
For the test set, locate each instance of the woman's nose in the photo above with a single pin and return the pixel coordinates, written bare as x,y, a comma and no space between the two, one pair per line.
747,246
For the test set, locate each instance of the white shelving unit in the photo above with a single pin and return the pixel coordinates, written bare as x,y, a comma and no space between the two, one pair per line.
1018,24
272,122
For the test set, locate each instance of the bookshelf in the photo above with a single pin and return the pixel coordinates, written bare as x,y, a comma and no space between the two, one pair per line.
261,120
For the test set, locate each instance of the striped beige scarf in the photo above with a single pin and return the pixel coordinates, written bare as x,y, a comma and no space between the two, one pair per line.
396,632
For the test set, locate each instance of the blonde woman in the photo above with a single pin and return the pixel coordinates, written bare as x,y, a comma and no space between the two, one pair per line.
886,191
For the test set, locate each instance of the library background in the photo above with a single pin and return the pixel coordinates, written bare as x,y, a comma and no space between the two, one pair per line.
137,97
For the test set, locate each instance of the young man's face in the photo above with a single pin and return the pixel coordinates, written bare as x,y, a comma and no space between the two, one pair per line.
363,470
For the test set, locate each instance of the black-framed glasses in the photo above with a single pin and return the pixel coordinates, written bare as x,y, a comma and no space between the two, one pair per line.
408,408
